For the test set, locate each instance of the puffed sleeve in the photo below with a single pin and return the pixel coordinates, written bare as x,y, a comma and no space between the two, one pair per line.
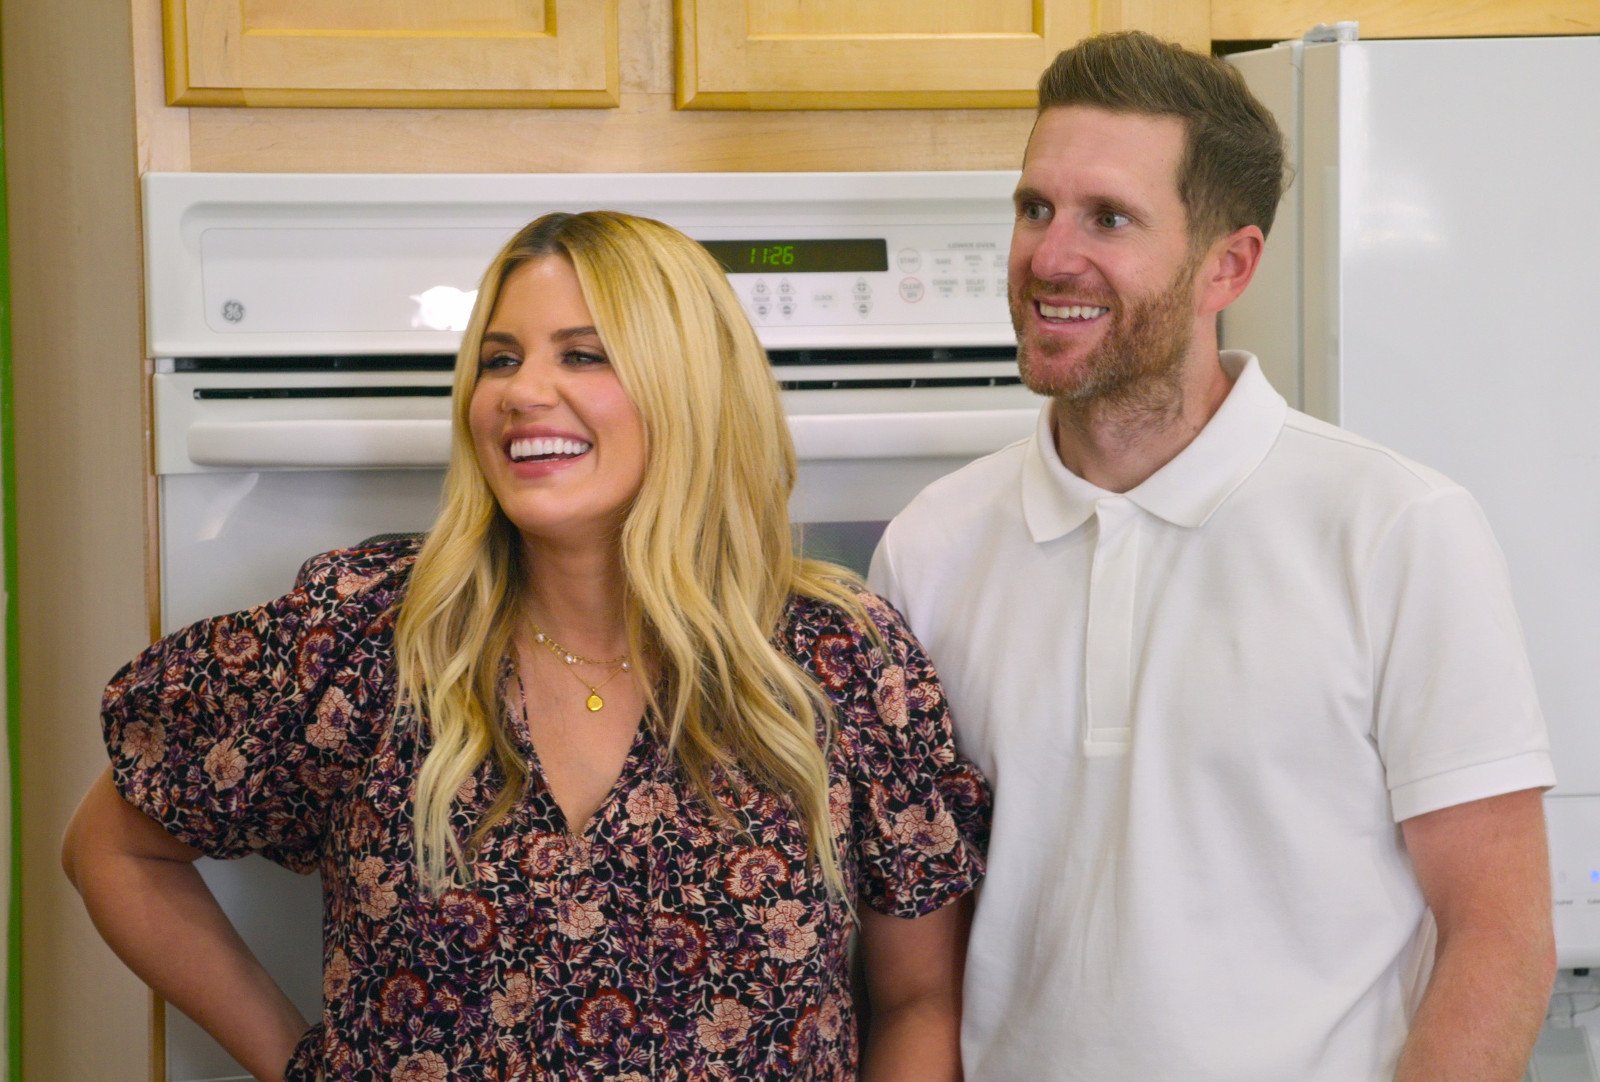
237,733
919,811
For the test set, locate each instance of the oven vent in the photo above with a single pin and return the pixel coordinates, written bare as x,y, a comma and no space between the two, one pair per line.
909,383
327,362
784,358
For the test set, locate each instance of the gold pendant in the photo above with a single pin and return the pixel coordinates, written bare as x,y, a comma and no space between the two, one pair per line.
594,702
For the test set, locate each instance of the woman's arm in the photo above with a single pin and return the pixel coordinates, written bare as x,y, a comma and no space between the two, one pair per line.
147,899
913,975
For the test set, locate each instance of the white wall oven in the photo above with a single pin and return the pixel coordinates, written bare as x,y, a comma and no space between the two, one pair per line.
303,329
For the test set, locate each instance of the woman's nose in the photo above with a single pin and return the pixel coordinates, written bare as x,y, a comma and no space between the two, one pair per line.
534,386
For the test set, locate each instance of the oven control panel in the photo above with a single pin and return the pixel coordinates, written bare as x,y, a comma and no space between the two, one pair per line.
270,265
909,275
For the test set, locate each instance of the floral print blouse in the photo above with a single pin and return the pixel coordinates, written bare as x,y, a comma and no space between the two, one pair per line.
663,942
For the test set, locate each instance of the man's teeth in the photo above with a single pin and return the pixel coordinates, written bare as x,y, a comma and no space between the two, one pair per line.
547,447
1071,311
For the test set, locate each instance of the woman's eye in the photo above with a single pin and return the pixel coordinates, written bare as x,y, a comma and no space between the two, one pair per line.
583,358
498,360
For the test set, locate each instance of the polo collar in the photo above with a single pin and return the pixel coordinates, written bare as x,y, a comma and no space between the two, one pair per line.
1184,492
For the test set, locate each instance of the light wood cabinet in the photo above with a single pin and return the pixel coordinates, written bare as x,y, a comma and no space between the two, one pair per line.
1276,20
397,53
893,54
731,54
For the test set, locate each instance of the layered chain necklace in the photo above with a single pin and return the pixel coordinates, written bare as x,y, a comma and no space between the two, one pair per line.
618,665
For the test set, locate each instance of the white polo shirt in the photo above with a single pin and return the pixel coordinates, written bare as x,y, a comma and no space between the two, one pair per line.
1205,704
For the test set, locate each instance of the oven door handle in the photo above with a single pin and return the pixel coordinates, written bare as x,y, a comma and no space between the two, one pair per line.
933,434
314,443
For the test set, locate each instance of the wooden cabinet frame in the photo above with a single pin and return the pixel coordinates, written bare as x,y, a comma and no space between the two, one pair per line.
447,54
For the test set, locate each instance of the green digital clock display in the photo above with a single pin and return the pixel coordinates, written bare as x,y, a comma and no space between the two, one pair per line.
800,256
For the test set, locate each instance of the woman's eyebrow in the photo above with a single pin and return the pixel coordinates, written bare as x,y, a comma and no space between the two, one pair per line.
566,334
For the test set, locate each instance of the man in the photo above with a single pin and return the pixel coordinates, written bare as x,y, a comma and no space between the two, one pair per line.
1266,752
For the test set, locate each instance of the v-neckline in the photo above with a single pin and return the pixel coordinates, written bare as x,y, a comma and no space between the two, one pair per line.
517,721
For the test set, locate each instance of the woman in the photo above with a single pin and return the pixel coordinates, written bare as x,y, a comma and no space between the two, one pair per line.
595,775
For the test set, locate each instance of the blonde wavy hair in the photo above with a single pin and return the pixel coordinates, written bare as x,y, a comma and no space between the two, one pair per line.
706,549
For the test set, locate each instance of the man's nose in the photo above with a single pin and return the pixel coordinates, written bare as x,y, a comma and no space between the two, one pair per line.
1061,251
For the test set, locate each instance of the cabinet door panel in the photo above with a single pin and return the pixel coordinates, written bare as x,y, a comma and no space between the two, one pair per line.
1253,20
892,54
402,53
896,54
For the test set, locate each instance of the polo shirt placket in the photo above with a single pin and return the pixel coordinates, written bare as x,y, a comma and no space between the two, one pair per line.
1108,640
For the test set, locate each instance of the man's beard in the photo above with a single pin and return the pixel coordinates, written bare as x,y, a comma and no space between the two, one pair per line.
1139,361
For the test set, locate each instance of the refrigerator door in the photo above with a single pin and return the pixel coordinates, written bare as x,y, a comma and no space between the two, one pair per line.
1449,308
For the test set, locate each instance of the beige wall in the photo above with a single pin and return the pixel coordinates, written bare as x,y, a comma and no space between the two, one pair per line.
80,492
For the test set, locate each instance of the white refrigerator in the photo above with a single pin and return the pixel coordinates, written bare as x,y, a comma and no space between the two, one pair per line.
1432,282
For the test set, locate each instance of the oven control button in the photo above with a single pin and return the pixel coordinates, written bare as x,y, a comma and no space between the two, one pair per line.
760,288
909,260
911,290
977,287
947,287
786,307
863,305
863,288
824,300
785,288
763,308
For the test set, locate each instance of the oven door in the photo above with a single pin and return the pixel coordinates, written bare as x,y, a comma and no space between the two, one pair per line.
257,470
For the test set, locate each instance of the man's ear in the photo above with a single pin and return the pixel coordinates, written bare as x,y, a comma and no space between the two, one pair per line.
1228,266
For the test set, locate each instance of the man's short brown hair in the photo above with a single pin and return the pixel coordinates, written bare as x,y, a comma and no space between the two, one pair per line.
1232,173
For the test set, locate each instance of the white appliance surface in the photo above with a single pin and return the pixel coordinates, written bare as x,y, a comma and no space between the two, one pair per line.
302,328
1433,283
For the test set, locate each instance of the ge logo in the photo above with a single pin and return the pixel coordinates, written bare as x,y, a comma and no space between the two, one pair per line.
232,311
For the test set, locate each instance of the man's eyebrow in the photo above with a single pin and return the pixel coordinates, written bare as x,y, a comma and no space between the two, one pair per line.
1027,194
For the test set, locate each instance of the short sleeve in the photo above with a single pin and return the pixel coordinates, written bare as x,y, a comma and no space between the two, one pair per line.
1456,717
236,733
881,576
919,810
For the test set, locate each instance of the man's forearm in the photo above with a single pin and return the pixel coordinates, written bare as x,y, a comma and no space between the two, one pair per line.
1482,1010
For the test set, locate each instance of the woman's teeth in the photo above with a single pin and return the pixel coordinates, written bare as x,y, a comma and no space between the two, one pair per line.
1071,311
546,447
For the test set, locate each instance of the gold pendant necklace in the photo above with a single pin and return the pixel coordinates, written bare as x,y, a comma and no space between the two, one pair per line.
594,702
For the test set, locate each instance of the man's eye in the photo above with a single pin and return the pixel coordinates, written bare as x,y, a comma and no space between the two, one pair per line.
1110,219
1033,212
